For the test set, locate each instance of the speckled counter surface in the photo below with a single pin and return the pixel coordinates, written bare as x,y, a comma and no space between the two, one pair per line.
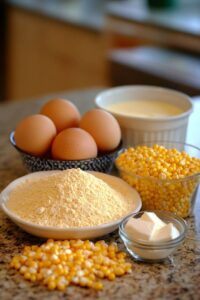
177,278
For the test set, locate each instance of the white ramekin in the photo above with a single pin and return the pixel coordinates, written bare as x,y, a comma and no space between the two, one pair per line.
137,130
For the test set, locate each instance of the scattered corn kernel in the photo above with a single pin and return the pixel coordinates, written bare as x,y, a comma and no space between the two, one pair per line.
153,172
77,262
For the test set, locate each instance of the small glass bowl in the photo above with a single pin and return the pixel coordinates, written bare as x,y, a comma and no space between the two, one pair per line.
174,195
149,251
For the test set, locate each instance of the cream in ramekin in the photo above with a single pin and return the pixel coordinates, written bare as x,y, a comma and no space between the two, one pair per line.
150,125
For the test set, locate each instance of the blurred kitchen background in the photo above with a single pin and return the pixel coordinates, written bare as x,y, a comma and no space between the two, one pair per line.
50,46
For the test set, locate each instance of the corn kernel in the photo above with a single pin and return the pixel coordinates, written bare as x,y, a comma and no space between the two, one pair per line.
52,285
111,276
58,264
97,285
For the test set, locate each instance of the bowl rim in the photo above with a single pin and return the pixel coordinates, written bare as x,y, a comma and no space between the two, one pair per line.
13,143
187,178
150,87
154,245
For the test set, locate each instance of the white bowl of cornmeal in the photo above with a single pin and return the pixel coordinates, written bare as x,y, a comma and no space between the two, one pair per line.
63,207
147,113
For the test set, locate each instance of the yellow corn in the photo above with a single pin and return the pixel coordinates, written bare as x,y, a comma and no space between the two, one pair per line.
156,168
58,264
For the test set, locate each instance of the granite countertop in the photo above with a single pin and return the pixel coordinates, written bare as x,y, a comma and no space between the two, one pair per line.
176,278
169,19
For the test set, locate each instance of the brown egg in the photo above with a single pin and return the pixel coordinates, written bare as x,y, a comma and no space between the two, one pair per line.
62,112
103,127
72,144
34,134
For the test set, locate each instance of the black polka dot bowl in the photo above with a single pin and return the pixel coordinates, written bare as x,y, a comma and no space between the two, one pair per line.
101,163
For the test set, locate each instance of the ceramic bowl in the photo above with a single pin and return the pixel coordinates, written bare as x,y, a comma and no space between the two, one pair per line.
73,232
138,129
101,163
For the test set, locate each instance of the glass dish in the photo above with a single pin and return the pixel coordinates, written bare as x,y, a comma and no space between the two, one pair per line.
149,251
174,195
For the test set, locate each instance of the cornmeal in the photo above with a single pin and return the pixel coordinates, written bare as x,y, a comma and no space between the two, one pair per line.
71,198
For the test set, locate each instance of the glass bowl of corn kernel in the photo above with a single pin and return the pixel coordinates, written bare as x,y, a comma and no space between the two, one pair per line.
166,175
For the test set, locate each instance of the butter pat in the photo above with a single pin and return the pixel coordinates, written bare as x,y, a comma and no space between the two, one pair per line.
139,229
165,233
150,228
151,217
